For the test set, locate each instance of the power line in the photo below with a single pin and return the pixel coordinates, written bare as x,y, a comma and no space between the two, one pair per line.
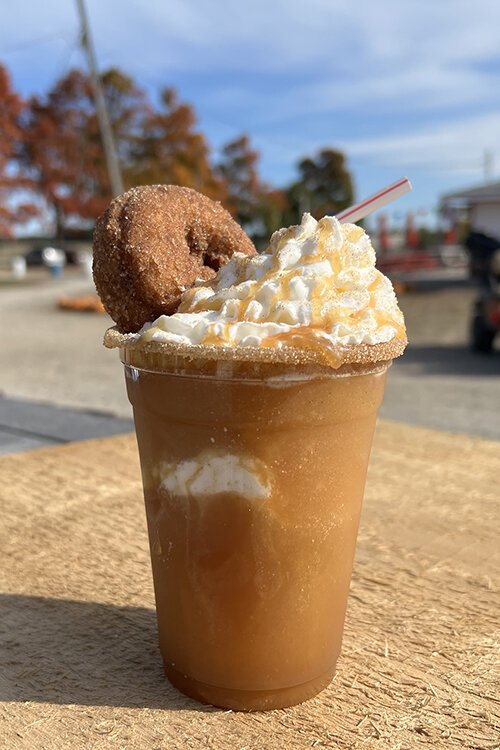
69,49
32,42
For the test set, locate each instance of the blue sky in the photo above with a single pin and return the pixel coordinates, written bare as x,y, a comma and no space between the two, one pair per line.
404,87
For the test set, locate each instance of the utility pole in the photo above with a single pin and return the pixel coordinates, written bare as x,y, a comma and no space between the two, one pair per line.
114,171
488,165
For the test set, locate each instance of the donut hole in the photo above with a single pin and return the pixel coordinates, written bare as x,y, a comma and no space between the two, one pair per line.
203,250
210,261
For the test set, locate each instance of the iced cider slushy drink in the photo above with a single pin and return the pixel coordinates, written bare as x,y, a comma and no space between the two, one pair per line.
254,407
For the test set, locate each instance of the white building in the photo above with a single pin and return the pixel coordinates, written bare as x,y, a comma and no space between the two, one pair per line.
482,204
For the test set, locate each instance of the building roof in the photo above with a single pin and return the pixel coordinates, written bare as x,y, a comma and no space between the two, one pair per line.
489,193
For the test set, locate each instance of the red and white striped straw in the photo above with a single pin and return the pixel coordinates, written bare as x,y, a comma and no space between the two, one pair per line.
388,194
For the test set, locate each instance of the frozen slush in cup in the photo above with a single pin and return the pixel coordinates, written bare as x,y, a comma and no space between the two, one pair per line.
255,406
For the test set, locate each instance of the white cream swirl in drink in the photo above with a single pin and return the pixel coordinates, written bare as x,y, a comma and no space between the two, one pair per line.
316,284
212,472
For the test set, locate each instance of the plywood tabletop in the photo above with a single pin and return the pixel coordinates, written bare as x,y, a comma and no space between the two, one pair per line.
80,667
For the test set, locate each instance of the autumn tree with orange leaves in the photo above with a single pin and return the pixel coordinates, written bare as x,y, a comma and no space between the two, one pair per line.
63,149
237,168
171,150
14,208
64,154
52,147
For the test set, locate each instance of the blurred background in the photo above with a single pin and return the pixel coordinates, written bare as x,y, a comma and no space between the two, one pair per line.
273,109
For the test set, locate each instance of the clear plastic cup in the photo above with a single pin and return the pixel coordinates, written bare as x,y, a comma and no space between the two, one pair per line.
253,482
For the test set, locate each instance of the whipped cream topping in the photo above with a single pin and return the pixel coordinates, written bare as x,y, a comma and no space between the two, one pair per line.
211,473
316,286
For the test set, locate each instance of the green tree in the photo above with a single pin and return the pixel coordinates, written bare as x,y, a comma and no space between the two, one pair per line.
324,186
272,214
259,208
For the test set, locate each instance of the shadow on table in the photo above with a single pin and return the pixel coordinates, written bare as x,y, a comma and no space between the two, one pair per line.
73,652
448,360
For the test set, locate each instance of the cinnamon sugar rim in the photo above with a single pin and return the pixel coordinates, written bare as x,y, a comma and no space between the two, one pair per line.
358,354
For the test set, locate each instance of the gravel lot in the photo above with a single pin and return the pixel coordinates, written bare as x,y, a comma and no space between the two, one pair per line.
55,356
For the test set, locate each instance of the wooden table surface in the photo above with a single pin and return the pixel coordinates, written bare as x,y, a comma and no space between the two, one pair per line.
80,667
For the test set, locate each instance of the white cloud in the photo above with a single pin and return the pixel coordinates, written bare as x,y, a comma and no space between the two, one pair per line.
454,149
459,144
422,89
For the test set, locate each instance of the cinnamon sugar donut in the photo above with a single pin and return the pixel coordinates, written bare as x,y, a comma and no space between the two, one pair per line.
155,241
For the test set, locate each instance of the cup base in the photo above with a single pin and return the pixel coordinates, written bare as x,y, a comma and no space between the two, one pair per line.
248,700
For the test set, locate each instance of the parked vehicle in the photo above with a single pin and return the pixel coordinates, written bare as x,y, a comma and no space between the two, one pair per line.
37,255
485,269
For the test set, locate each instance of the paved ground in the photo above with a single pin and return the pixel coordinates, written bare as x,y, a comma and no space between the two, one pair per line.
440,382
56,357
